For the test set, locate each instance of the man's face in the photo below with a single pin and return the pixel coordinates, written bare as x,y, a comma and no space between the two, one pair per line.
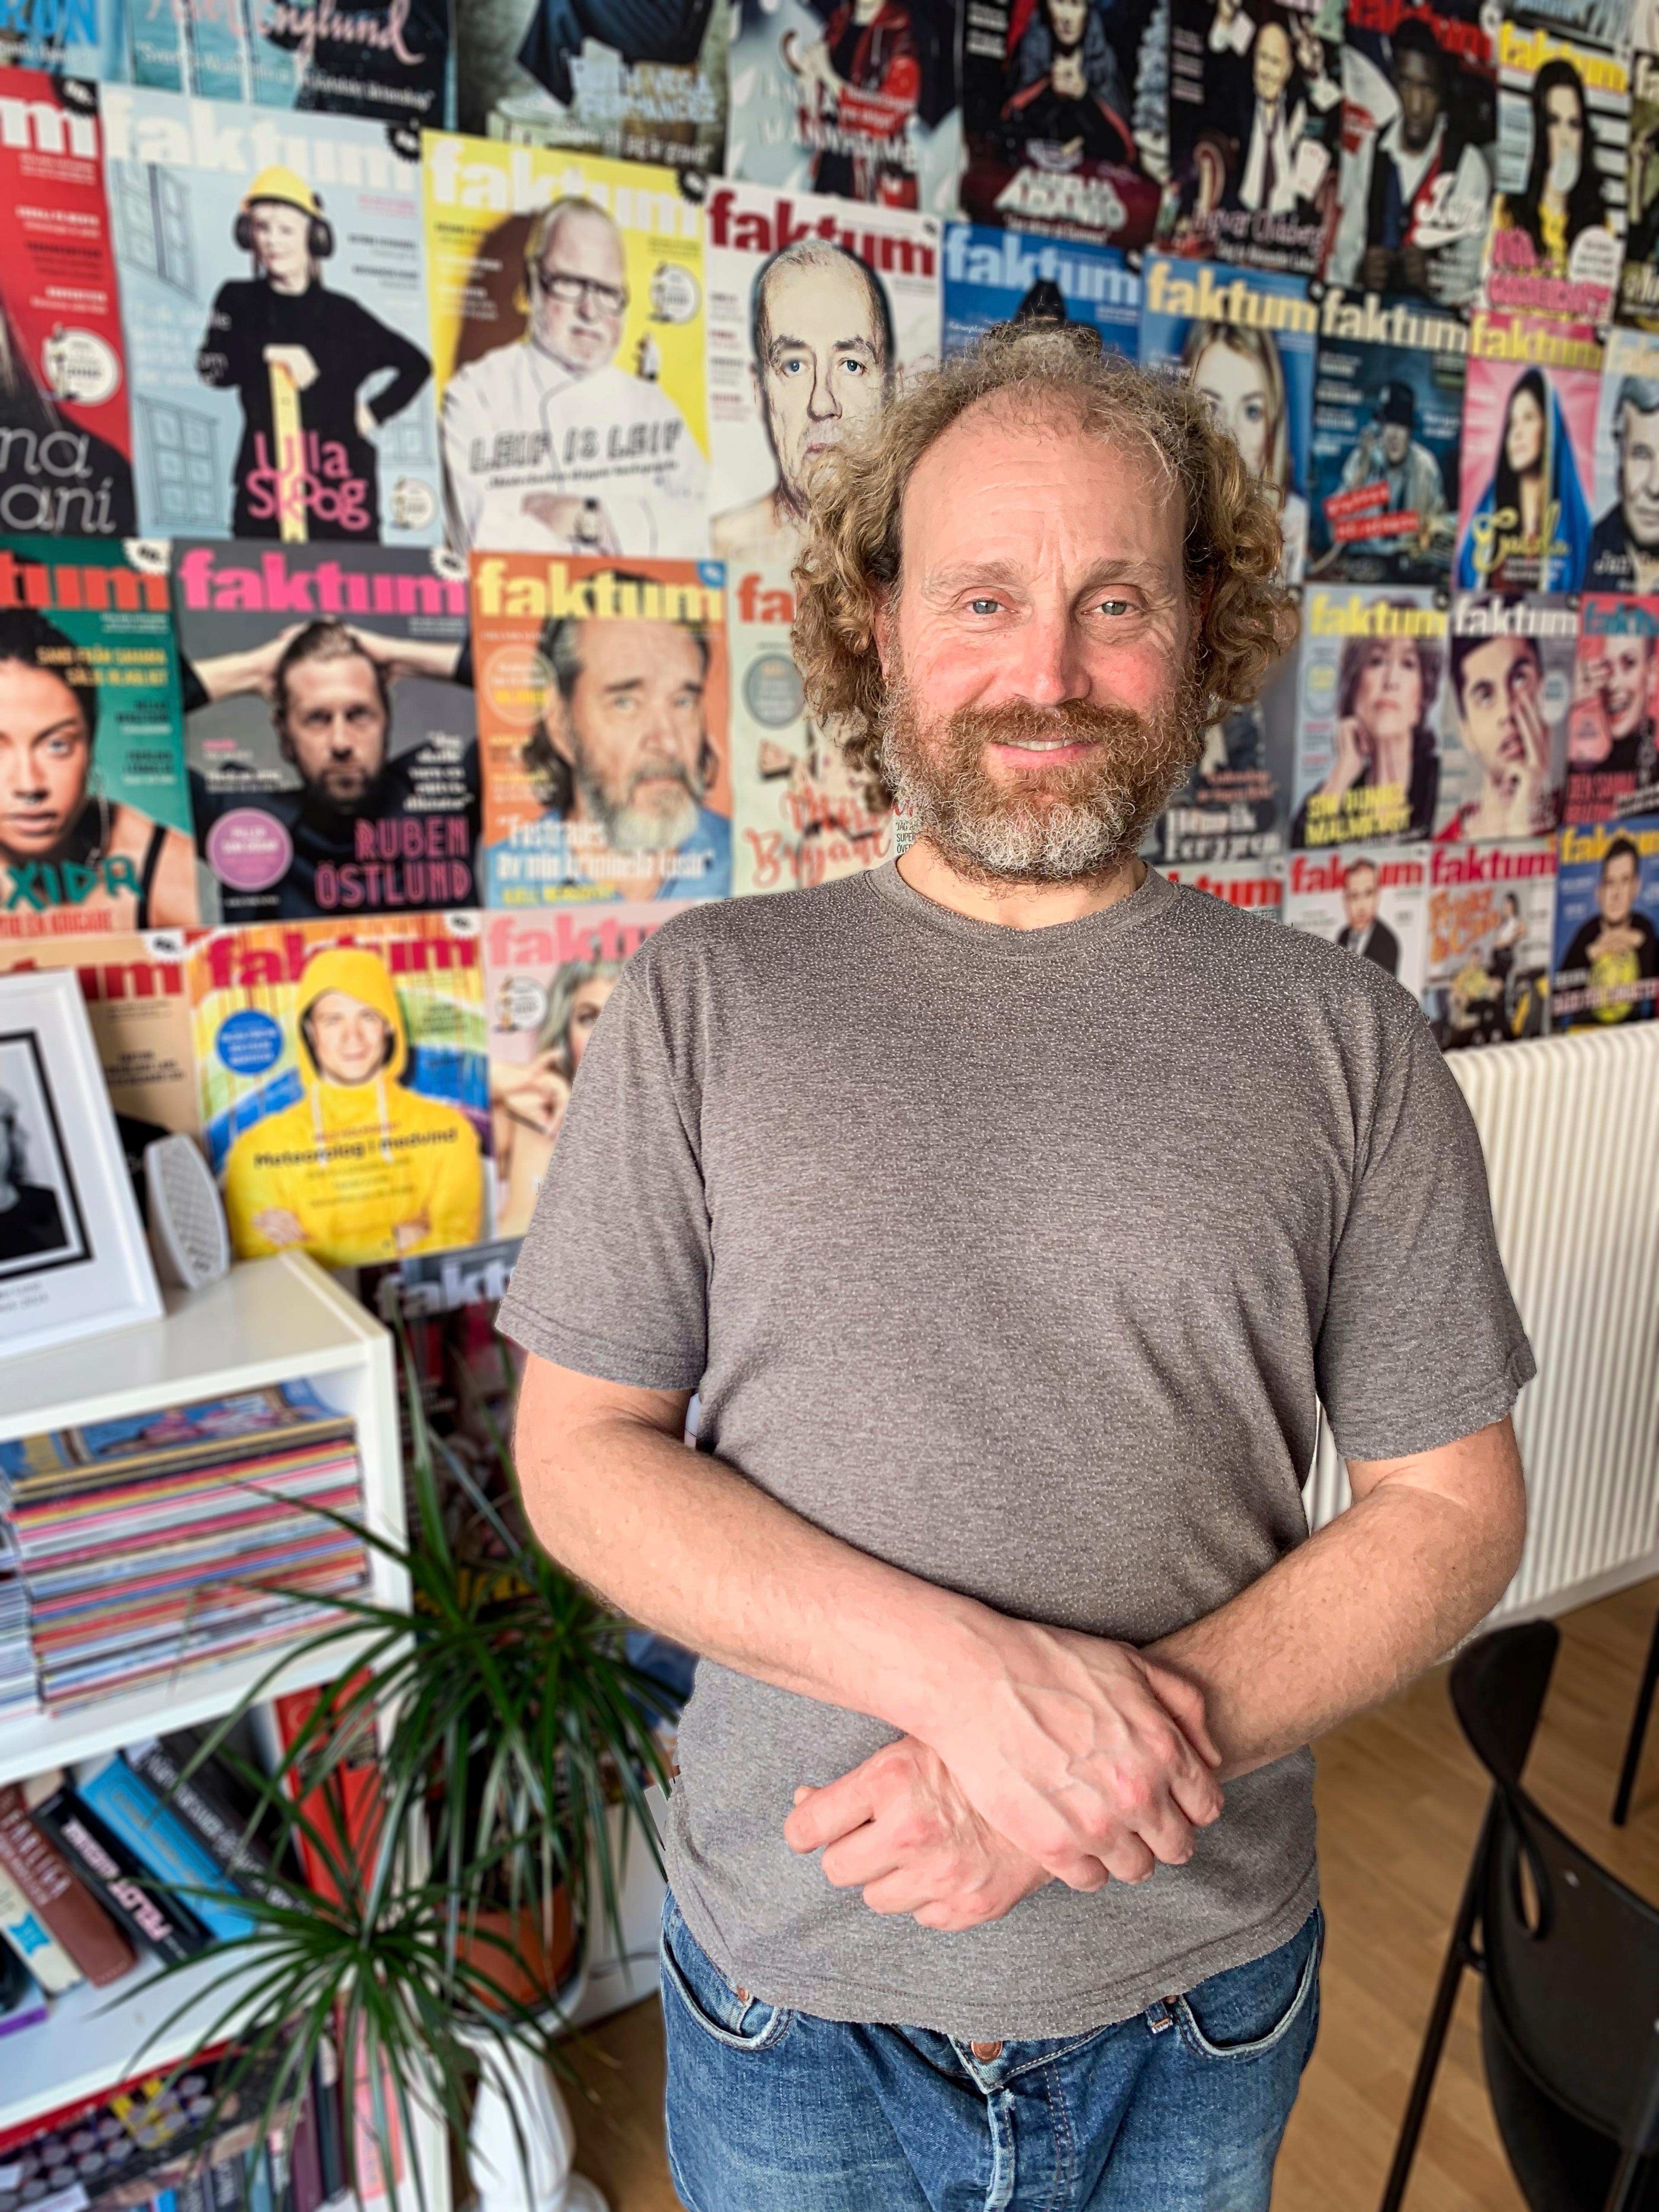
1270,72
1615,894
1639,477
45,760
1038,654
281,239
635,733
1068,19
1359,899
1417,81
1622,674
334,729
348,1039
1396,443
578,292
1499,678
823,379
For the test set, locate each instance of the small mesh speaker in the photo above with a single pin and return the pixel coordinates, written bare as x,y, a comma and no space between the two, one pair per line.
185,1220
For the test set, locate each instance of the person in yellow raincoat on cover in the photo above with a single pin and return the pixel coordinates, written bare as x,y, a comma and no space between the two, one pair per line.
360,1169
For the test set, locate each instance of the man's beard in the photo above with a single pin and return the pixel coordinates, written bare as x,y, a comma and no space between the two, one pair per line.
630,829
1080,819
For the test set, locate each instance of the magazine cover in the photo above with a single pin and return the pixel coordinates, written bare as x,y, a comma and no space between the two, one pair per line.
1639,278
1419,123
329,730
568,318
1368,732
1370,899
1065,117
1623,554
65,430
1613,768
798,817
1607,906
1256,887
602,724
1504,716
1236,805
83,39
1255,126
614,77
1246,340
1524,521
274,307
856,98
1492,930
389,63
138,1003
818,310
94,828
1387,421
1011,276
344,1084
1557,217
546,980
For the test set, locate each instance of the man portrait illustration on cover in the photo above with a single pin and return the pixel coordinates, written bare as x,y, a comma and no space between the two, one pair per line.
1388,455
1625,545
1615,956
1498,687
1362,933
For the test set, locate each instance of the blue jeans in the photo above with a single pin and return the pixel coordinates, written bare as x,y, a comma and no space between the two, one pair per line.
1178,2109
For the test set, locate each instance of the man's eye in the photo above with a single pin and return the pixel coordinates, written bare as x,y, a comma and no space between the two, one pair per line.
856,367
1112,606
791,367
983,606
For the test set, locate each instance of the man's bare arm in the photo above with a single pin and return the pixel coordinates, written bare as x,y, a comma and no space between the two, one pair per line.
1073,1747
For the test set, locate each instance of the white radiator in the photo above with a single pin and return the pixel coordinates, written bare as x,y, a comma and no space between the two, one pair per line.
1570,1128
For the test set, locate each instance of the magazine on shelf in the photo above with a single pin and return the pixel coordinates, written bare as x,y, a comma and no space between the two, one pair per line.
1234,807
1254,887
388,61
1372,900
1014,276
207,1431
1606,925
274,297
1503,715
1612,755
1529,465
1368,731
329,731
1492,927
139,1004
1639,277
1624,555
66,456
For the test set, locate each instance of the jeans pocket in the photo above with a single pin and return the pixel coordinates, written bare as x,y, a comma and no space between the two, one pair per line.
725,2015
1252,2008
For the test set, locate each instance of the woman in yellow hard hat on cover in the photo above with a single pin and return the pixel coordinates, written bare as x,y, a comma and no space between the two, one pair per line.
299,355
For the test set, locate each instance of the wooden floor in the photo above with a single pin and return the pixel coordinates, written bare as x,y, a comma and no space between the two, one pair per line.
1399,1800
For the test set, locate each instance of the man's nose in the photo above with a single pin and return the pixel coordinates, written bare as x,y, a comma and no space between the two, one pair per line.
1049,667
823,406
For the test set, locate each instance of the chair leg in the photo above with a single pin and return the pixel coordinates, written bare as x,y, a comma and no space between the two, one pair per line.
1460,1955
1638,1728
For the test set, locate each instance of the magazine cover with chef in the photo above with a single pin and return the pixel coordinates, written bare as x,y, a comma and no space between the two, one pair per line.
848,98
137,998
633,79
568,324
1606,925
1504,716
1065,117
799,815
329,728
343,1084
1528,460
1013,276
96,836
275,305
602,725
817,311
546,979
1234,807
1613,752
1370,899
1491,928
1368,729
65,424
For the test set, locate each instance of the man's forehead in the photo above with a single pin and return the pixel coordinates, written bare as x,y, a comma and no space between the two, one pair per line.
352,672
586,238
819,295
615,652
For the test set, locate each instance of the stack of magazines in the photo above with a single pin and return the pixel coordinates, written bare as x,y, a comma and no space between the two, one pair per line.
17,1685
179,1539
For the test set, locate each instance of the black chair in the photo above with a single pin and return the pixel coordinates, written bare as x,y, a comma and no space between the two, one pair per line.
1638,1728
1570,1964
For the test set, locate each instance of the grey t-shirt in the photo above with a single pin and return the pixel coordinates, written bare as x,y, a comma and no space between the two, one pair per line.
1020,1259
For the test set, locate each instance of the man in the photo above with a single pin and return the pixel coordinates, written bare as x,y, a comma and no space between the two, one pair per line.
624,760
1283,160
1624,546
821,367
1619,743
1389,457
360,1169
547,444
1363,933
1614,958
299,357
329,684
993,1544
1498,685
1416,198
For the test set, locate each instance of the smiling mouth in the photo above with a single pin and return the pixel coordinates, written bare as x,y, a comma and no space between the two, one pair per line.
1043,744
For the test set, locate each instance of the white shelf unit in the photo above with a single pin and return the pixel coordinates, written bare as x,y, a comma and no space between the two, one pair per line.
267,1322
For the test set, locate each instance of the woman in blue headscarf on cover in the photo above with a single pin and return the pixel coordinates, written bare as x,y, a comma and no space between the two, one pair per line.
1531,531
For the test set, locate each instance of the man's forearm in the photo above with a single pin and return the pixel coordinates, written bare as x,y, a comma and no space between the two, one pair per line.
1362,1608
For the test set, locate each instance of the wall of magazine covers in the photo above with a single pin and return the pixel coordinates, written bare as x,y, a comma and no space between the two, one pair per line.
402,428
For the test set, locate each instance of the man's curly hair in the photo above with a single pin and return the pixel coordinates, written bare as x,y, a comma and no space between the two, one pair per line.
850,558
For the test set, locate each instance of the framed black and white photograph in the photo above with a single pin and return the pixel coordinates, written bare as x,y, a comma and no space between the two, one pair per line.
73,1256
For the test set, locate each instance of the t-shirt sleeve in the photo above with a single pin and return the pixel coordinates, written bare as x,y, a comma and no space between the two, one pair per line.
1421,1343
612,1278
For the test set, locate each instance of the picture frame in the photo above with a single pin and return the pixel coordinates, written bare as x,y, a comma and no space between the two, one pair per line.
74,1258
